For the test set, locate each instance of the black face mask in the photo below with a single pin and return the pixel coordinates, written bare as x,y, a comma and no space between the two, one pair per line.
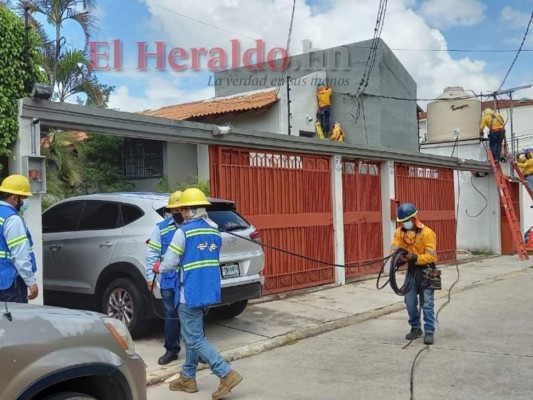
178,218
20,202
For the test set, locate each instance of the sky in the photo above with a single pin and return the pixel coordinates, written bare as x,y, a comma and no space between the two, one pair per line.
441,43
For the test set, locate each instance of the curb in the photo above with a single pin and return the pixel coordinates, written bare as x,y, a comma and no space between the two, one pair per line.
167,374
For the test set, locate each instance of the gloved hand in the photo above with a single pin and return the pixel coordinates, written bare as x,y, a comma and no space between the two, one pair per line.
156,267
408,257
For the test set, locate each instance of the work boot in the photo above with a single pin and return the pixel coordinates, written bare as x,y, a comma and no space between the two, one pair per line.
226,384
428,338
184,385
167,358
415,333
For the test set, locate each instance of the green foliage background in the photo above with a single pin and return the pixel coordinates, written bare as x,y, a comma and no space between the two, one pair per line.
14,74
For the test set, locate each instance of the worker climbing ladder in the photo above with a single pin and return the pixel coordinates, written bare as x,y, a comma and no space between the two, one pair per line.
523,180
507,203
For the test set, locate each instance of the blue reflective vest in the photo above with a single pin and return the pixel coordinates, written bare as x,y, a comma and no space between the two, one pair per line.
167,229
199,263
8,271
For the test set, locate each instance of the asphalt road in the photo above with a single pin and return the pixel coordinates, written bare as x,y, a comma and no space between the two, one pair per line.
483,350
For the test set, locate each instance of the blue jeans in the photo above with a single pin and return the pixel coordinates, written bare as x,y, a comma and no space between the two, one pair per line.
172,322
196,344
323,113
16,293
428,308
495,143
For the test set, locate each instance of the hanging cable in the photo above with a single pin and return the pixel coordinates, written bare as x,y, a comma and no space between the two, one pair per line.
517,53
287,46
482,195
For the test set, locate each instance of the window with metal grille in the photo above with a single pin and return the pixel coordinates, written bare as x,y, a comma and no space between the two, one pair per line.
142,159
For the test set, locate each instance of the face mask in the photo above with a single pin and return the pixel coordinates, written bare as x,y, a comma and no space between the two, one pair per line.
408,225
22,205
178,218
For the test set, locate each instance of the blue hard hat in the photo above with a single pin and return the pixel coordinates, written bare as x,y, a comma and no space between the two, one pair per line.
320,83
406,211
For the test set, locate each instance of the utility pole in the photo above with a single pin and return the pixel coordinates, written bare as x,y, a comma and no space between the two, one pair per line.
289,105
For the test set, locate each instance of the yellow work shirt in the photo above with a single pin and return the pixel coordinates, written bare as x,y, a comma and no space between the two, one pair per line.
422,242
323,95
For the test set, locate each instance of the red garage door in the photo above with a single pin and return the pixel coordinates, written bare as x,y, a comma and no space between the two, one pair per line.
288,197
432,191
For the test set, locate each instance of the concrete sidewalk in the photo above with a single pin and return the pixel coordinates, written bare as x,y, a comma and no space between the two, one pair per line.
269,324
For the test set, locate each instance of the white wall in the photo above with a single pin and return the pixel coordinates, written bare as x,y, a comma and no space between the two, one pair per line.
480,233
23,147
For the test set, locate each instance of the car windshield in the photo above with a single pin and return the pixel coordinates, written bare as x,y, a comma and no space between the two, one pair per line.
223,214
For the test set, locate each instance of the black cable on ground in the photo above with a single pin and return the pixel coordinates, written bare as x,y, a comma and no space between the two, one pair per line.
371,262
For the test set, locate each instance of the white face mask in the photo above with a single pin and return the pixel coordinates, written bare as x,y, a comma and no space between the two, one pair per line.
408,225
25,205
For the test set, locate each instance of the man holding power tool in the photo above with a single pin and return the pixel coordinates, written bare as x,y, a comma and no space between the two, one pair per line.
421,245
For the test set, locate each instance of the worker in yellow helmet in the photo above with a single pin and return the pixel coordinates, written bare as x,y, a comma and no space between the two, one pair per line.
17,261
195,251
168,281
496,126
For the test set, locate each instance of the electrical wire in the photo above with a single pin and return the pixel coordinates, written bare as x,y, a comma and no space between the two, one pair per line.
518,52
349,265
287,46
370,61
482,195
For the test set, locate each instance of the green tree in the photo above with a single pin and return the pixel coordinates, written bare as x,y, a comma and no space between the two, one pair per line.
65,157
57,12
74,77
101,170
16,72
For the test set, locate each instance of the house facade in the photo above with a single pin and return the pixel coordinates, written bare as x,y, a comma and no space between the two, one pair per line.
451,128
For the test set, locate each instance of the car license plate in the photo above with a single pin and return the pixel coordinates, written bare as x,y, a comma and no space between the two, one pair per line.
230,270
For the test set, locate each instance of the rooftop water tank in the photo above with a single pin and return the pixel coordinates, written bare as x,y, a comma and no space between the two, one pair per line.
454,112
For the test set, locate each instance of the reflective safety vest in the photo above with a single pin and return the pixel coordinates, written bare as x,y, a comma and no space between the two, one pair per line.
199,263
167,229
8,271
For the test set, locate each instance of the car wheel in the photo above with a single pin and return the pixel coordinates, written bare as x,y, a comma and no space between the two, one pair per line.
69,396
124,301
230,311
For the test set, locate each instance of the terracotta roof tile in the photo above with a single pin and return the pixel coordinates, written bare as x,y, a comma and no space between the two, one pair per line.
220,105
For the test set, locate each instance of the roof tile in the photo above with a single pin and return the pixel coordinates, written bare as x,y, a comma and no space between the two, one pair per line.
220,105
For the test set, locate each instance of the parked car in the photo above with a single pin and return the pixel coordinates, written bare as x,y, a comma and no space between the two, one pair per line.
94,252
51,353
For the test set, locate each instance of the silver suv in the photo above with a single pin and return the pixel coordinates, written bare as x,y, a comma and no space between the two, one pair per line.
94,252
53,353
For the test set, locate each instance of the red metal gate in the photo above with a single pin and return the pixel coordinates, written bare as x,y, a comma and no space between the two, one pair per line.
363,230
432,191
288,197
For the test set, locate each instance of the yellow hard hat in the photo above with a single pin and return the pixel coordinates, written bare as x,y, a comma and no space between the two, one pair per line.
174,199
488,111
192,197
16,184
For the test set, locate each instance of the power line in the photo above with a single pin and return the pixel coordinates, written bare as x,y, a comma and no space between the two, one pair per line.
287,48
197,20
518,52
